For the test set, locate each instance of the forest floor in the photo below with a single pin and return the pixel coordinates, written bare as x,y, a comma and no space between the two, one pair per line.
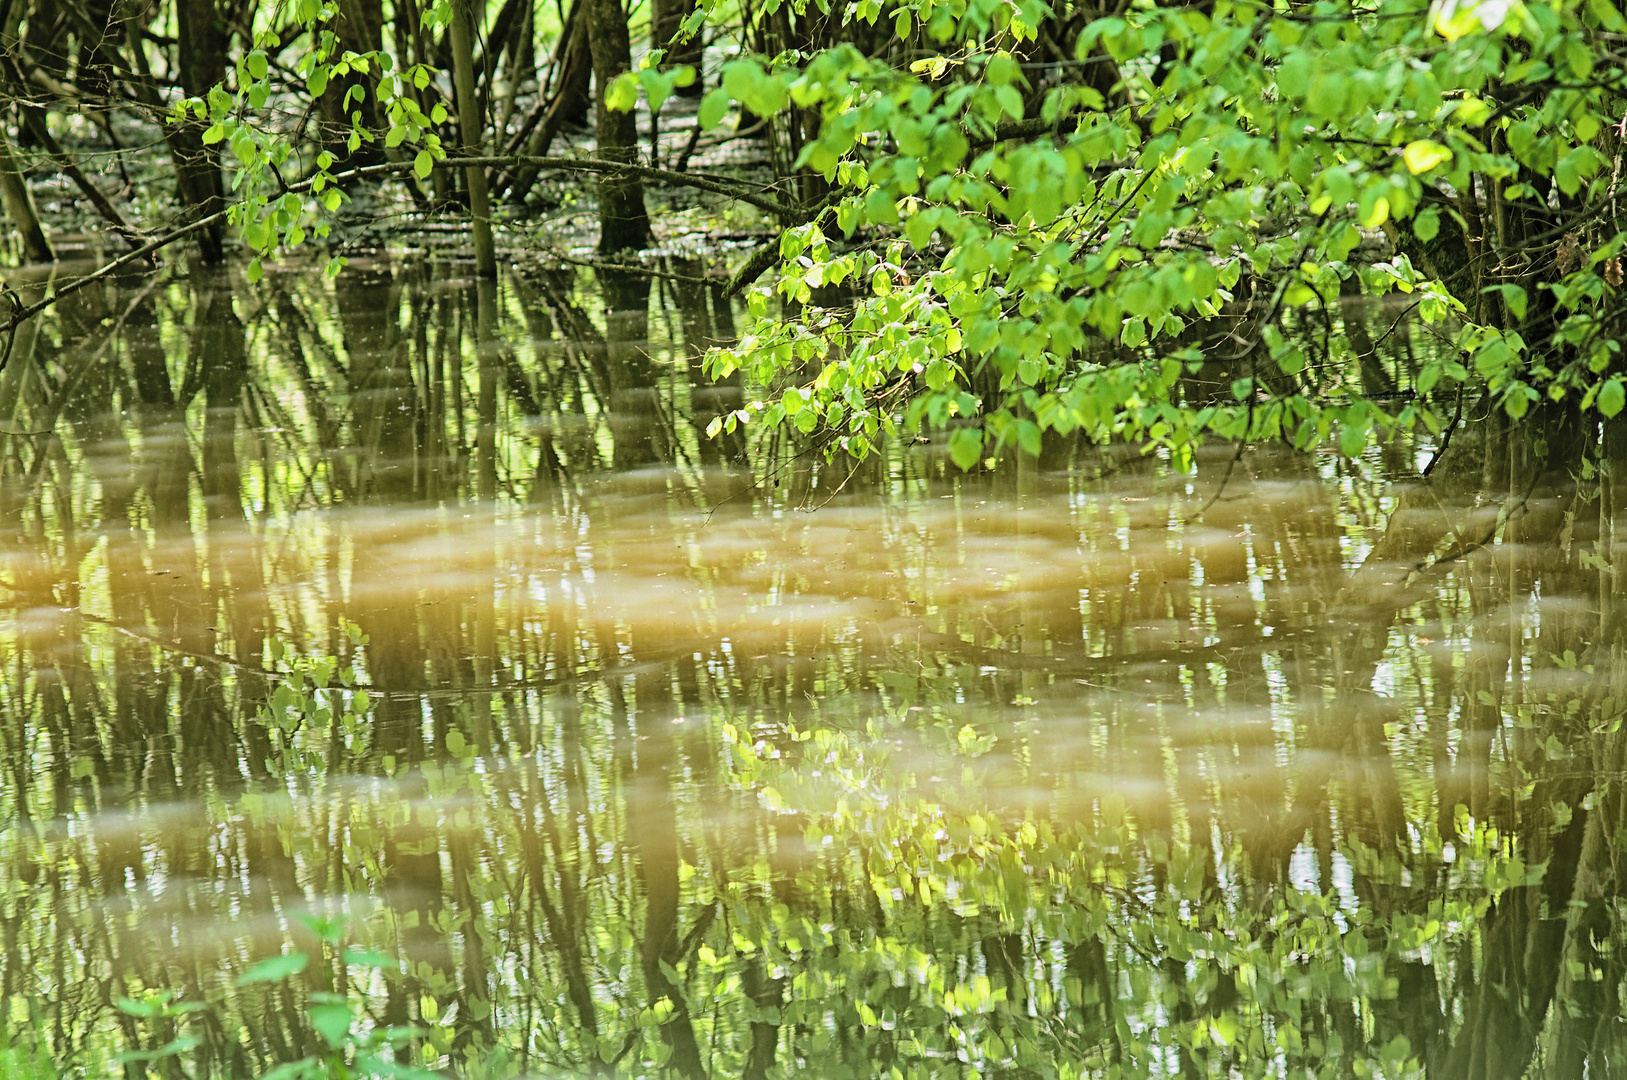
556,226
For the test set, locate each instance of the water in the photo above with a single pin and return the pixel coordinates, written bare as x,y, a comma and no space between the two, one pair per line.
641,756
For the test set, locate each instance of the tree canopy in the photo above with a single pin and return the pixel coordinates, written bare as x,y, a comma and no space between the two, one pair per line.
1144,222
1139,222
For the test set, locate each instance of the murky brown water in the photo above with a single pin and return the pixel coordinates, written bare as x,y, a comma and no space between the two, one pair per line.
653,758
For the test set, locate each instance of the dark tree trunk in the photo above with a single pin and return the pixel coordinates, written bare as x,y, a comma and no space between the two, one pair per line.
573,96
360,27
623,221
202,38
668,18
570,99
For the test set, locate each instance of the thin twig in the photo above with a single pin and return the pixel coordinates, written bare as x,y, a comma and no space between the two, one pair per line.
1457,415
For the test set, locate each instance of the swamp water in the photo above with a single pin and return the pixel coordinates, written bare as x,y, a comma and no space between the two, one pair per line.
635,759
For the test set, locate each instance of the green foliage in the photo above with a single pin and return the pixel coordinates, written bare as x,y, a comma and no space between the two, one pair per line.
354,1046
271,213
1067,257
944,874
305,697
658,85
23,1057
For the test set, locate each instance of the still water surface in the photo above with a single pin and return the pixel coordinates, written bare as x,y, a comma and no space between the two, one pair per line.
641,757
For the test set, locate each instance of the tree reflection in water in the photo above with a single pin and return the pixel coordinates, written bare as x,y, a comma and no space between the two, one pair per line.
995,775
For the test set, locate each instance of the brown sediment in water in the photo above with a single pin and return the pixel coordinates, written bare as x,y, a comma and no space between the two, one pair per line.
973,753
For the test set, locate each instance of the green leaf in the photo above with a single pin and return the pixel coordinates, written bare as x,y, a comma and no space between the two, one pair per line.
1428,376
174,1048
1352,439
1514,298
257,64
1579,58
1612,396
281,967
1295,72
1421,155
331,1021
966,447
1427,224
1607,14
658,87
1011,101
421,164
740,78
1001,70
714,107
1028,437
622,94
368,958
1328,96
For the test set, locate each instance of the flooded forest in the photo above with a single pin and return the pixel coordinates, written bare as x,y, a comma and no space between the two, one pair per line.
717,539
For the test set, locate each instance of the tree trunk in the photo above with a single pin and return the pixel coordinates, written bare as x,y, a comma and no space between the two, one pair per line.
623,221
665,23
471,132
202,36
20,205
568,104
360,27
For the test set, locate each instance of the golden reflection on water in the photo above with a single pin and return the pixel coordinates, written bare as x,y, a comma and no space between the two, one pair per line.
662,767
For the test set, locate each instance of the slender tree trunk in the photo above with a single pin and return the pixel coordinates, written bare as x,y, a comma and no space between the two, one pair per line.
486,348
623,221
520,69
472,134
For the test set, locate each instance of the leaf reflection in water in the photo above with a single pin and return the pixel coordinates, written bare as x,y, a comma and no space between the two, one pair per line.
994,775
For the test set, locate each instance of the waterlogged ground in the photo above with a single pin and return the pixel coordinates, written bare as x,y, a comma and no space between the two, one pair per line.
634,757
